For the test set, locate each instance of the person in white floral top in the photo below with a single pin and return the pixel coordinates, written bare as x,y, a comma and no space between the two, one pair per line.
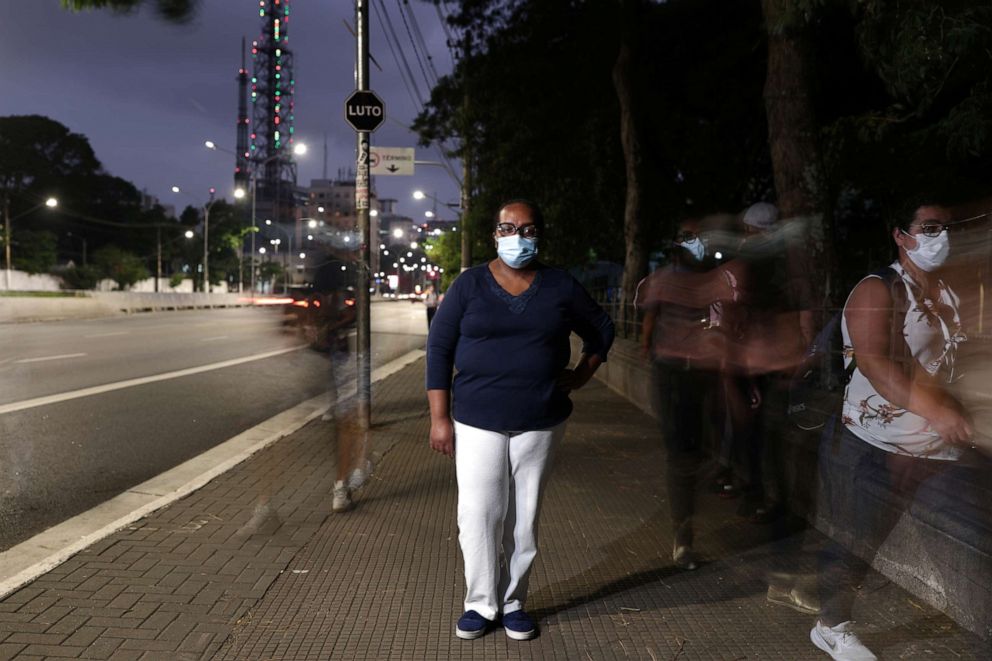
901,330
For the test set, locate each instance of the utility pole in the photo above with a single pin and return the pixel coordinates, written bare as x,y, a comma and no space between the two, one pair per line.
466,159
206,241
158,255
251,261
466,187
364,317
6,240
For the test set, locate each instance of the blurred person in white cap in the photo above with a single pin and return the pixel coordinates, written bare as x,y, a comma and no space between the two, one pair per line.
773,340
760,217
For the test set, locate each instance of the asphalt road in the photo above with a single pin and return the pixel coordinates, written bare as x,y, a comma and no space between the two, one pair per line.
61,453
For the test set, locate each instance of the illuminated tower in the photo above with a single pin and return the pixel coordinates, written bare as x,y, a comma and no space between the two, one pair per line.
243,153
271,137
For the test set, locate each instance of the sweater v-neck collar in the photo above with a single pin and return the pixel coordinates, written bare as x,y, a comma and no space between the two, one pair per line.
518,303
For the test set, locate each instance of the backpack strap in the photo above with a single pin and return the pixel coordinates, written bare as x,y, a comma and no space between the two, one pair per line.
898,349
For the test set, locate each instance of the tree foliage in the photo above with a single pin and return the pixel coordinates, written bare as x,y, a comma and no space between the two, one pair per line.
541,118
174,11
34,251
122,267
40,157
899,100
445,251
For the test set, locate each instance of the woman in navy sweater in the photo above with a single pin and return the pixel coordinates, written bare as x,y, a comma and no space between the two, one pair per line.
505,327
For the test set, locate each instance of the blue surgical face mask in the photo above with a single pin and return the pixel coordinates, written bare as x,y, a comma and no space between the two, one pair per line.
696,248
516,251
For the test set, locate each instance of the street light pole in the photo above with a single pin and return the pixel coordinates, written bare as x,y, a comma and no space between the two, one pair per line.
6,240
466,242
158,255
206,244
289,244
51,203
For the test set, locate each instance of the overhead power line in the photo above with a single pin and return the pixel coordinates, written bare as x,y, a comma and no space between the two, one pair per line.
420,40
392,40
413,44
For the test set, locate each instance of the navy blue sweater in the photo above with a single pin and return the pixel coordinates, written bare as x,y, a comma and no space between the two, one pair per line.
510,350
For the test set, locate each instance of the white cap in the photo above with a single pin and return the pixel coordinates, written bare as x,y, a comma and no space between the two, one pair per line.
762,215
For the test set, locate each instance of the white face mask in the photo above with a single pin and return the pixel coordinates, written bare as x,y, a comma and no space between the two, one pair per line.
696,248
930,252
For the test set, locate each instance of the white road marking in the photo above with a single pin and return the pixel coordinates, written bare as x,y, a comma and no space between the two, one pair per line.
44,358
211,339
28,560
109,334
129,383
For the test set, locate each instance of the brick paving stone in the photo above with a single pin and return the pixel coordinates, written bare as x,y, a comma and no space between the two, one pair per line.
36,638
103,648
84,636
57,651
10,650
69,624
124,601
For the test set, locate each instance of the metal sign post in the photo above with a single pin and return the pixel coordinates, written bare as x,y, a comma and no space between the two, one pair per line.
367,120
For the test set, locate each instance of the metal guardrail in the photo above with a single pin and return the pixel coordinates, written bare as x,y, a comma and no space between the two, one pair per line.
625,316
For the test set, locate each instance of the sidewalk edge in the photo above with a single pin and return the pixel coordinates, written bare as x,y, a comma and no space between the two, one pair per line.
48,549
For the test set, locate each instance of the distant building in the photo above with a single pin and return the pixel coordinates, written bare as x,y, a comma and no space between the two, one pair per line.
149,202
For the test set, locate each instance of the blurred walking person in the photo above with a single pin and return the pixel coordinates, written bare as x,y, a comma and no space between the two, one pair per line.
335,315
431,301
901,329
686,345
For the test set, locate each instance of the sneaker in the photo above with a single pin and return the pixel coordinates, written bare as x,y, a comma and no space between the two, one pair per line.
767,513
840,642
342,497
518,625
360,475
684,557
471,625
798,597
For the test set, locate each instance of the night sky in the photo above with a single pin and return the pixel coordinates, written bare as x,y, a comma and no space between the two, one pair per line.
147,93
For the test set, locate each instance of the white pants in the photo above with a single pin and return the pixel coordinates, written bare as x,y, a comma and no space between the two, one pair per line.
501,478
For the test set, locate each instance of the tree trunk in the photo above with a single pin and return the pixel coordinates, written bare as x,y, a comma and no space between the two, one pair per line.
791,124
636,257
795,152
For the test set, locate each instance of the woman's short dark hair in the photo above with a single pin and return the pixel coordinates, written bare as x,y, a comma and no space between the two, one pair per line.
905,213
535,211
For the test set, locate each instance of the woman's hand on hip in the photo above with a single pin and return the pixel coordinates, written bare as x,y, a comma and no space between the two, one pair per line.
442,436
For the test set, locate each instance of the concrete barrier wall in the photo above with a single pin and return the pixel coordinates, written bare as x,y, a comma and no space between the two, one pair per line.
21,281
91,305
941,550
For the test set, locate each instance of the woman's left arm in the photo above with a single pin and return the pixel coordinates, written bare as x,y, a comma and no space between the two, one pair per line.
578,376
594,326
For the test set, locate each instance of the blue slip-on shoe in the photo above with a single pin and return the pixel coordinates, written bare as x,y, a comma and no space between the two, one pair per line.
471,625
519,625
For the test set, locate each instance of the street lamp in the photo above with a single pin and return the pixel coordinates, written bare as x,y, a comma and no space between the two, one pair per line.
458,209
51,203
81,238
206,232
289,237
299,149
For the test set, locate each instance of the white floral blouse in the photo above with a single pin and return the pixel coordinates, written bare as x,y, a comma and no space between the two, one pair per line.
933,332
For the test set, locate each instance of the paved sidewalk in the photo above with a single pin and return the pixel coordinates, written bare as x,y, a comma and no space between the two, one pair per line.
255,566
